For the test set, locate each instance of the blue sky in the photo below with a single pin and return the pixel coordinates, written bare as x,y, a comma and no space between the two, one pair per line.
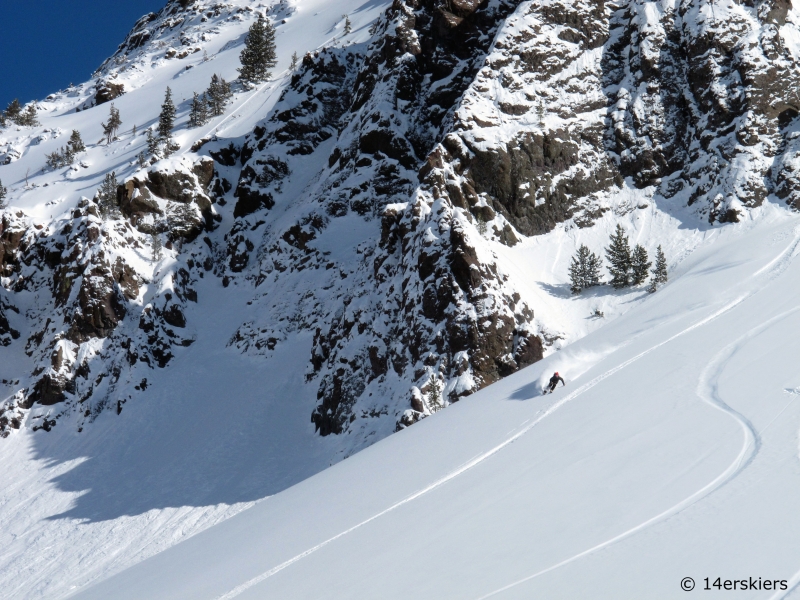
47,44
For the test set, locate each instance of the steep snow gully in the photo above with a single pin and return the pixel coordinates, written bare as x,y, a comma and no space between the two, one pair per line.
742,282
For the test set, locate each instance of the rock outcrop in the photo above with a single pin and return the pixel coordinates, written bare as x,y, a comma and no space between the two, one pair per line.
364,213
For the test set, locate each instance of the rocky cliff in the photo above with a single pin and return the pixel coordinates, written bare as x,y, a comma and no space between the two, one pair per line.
364,209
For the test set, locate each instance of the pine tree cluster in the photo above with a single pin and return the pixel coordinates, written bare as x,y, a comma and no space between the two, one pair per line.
14,113
3,194
584,270
211,103
259,55
627,267
65,156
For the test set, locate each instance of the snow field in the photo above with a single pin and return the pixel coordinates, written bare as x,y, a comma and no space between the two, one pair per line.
654,466
673,451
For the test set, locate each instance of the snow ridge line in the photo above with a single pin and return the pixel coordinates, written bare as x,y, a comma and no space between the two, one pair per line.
481,458
708,392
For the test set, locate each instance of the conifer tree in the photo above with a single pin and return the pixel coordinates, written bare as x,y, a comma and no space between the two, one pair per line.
659,271
584,270
56,159
133,131
13,111
259,55
75,142
152,143
107,196
348,26
3,194
156,246
295,60
435,403
112,126
198,115
28,117
69,154
218,94
619,256
640,265
166,120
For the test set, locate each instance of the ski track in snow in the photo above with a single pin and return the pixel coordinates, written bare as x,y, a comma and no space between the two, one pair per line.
707,390
482,457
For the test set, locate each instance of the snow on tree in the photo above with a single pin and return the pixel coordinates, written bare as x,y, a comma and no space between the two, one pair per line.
13,111
259,55
348,26
107,196
659,271
640,265
156,247
28,117
3,195
295,60
166,120
618,255
75,142
112,126
218,94
65,156
59,158
435,403
481,224
584,270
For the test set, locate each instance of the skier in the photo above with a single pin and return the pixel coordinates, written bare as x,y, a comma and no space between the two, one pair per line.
554,382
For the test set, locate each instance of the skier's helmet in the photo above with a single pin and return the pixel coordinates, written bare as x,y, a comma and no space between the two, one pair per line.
556,373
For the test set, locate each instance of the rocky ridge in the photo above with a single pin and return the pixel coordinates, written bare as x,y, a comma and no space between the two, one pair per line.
362,211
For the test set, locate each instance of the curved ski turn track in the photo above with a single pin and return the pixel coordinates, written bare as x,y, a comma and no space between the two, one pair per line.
707,391
628,484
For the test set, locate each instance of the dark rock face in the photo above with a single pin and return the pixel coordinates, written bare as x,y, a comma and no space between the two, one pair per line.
411,310
165,200
108,91
426,288
526,151
698,107
99,309
11,234
250,199
91,295
136,201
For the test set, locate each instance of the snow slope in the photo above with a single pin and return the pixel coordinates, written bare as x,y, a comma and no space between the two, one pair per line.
75,508
678,425
671,453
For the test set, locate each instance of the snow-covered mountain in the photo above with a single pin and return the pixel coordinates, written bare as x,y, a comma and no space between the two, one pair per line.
392,217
